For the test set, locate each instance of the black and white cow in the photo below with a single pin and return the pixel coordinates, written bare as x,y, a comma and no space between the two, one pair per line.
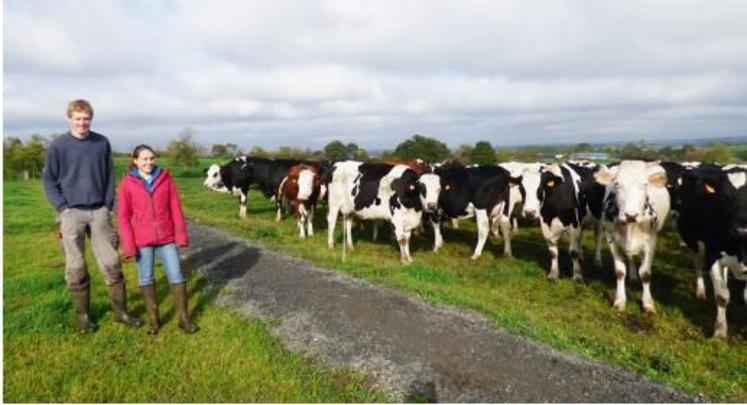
375,191
529,173
242,172
234,177
564,197
481,192
636,204
713,221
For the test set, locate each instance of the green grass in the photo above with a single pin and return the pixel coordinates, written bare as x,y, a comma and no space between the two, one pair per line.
674,347
231,359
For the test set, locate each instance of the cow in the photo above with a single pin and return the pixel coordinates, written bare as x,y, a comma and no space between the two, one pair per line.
301,188
564,197
481,192
713,222
374,191
636,204
242,172
529,173
234,177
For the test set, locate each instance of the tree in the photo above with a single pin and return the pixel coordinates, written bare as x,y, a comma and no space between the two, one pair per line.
482,154
218,150
33,155
717,153
12,156
336,151
258,151
582,147
184,150
461,154
422,147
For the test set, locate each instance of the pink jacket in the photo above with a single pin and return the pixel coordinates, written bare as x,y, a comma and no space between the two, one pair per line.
147,219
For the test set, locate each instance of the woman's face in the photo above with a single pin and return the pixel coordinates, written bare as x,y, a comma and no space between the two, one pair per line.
145,161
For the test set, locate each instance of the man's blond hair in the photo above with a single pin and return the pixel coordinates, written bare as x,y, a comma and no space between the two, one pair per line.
79,105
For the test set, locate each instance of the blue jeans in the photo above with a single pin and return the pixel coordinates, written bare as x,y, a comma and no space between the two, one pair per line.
146,259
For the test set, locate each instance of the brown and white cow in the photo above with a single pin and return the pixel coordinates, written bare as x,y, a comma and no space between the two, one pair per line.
302,187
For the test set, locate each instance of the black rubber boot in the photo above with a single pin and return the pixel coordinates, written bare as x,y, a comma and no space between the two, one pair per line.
81,303
151,305
181,308
118,298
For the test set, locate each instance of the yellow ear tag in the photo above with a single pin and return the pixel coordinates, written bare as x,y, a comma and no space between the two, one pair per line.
709,189
551,183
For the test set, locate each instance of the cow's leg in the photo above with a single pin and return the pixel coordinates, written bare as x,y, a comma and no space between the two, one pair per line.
279,206
310,221
483,229
438,239
505,224
242,205
302,215
721,291
598,244
551,238
349,231
455,223
620,268
515,227
645,273
331,222
403,239
700,290
575,251
375,235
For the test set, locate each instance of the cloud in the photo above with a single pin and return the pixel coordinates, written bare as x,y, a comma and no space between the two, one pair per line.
372,72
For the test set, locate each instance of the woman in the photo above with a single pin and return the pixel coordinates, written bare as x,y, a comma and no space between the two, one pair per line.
151,223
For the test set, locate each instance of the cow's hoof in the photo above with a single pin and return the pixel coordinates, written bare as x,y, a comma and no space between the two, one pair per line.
474,257
649,310
619,305
508,254
578,279
700,294
552,277
720,332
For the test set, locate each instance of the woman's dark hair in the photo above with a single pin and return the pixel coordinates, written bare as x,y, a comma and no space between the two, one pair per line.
136,153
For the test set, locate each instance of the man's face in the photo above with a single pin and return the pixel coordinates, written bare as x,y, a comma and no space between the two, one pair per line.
80,122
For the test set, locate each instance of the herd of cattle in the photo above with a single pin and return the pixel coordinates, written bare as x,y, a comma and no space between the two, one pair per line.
628,203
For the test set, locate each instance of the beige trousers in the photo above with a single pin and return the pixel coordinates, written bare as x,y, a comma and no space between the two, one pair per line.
75,223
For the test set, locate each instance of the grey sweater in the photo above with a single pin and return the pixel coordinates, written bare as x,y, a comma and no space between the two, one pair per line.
79,173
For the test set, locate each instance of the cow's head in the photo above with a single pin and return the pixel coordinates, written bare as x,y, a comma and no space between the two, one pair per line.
630,182
531,180
550,180
214,179
430,190
407,189
308,182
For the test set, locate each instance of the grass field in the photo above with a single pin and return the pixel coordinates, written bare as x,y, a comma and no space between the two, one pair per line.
229,360
674,347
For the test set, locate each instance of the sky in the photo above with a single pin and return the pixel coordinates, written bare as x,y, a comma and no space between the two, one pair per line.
304,73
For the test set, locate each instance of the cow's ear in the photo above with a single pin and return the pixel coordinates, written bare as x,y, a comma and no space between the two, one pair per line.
605,175
204,171
657,179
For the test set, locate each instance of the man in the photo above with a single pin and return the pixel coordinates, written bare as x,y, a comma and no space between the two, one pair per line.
79,183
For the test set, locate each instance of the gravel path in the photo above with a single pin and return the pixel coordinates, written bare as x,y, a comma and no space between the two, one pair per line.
412,349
